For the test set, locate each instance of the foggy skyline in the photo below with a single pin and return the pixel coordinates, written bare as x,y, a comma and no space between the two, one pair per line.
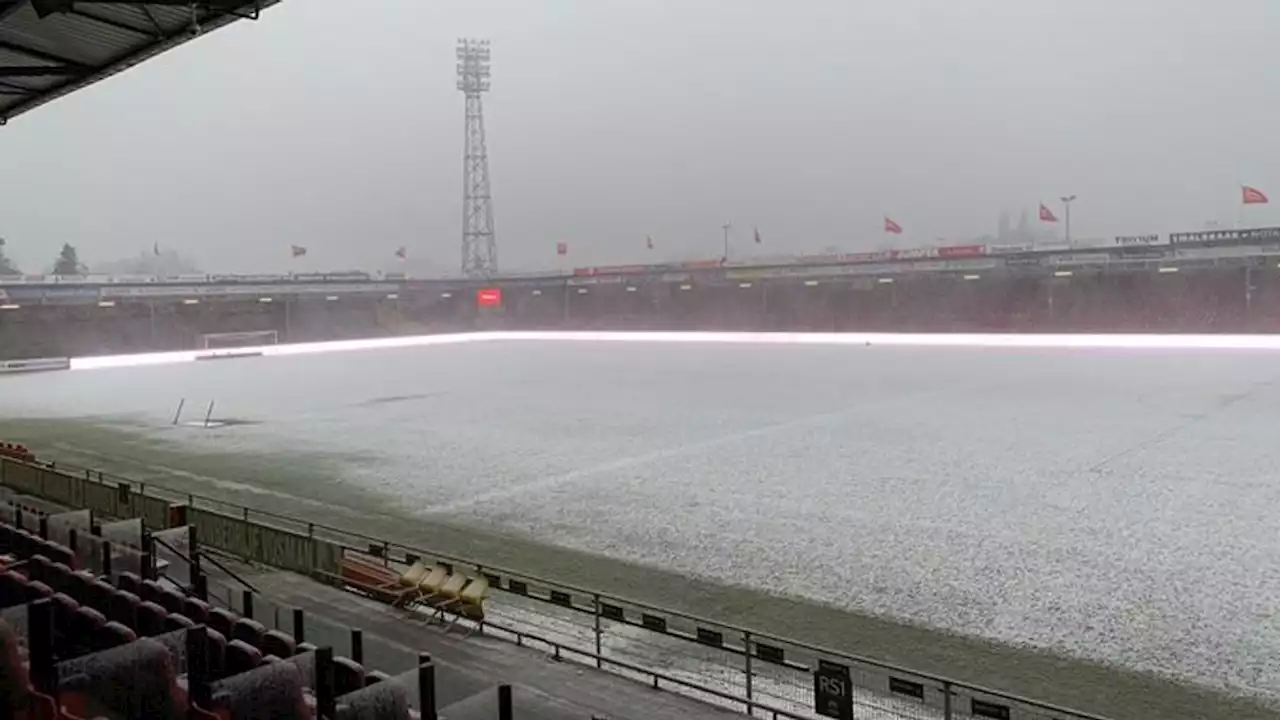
611,121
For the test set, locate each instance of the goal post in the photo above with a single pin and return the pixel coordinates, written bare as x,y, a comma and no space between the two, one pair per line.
248,338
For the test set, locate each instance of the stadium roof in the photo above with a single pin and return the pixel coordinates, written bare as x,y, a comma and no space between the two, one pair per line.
50,48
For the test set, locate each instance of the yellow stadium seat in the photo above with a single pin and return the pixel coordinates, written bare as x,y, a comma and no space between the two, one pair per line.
471,601
413,575
450,590
430,584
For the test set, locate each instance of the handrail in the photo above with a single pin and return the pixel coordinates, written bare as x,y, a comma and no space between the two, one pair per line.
737,699
759,635
227,570
172,549
656,676
204,556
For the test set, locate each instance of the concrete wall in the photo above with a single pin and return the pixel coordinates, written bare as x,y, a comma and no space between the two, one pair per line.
115,499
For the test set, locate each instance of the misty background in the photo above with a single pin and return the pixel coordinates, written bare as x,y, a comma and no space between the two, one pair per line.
337,126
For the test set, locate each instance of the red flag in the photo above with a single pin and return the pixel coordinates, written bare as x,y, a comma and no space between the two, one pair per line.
562,248
1046,214
757,236
297,250
402,253
648,241
1252,196
892,227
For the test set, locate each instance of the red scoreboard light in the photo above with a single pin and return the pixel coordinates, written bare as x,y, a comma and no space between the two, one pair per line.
489,297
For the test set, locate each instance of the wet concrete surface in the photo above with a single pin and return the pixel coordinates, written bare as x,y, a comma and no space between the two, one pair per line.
470,669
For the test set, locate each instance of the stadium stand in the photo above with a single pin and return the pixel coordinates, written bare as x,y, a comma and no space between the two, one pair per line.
118,562
78,646
90,630
44,321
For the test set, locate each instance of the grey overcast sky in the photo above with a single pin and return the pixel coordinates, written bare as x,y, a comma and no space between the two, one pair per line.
336,125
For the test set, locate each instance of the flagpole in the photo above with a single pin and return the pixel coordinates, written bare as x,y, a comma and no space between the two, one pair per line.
1240,206
1066,203
726,227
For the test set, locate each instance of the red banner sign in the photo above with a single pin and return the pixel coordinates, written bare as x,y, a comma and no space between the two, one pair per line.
917,253
489,297
962,251
868,257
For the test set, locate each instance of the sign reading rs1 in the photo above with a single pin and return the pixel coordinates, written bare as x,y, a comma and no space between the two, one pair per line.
833,691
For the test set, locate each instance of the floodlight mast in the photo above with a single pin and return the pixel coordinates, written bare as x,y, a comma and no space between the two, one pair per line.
479,249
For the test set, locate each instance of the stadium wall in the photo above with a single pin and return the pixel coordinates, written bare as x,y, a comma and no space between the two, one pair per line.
236,535
1213,299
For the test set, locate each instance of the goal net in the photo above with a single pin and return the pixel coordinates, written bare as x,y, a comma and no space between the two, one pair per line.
250,338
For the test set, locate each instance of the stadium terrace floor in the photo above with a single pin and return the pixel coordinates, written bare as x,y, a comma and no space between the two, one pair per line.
470,669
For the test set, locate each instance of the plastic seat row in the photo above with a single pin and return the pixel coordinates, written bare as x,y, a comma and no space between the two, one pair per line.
24,544
237,644
438,587
443,589
17,452
102,616
92,619
142,679
99,614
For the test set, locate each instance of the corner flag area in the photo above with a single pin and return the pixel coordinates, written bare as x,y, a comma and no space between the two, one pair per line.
50,48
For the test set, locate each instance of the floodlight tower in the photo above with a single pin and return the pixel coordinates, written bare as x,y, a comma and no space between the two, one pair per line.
479,251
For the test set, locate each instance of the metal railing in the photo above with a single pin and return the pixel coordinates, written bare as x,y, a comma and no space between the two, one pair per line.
716,661
340,637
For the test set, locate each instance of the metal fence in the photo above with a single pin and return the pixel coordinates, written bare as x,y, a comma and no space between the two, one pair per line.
759,673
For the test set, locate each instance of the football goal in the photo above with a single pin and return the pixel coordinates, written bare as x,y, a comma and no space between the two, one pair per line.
249,338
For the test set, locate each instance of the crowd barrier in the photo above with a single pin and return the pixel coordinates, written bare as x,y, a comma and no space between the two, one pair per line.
762,674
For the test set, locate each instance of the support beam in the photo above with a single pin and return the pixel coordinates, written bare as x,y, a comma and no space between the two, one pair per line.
216,5
9,88
20,71
41,55
151,17
9,7
155,33
45,8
